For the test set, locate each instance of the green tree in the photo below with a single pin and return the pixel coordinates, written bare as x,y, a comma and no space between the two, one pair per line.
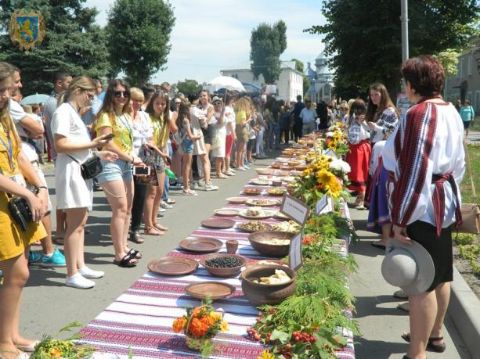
364,37
73,43
138,34
188,87
267,43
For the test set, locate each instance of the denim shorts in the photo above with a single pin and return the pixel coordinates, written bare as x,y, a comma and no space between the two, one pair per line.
118,170
187,145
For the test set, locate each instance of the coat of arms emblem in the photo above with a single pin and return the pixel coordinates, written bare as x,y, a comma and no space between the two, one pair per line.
27,28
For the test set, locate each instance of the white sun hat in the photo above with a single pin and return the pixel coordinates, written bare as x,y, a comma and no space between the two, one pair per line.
408,266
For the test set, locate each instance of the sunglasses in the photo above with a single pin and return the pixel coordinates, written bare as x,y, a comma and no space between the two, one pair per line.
121,93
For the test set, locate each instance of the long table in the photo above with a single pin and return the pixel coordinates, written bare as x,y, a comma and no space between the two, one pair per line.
139,321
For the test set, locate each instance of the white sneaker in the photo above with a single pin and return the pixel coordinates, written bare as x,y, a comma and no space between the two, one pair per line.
230,173
90,273
79,281
241,168
210,187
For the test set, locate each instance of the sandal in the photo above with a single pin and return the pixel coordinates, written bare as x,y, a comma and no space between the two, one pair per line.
160,227
126,262
431,346
152,231
134,253
171,201
189,192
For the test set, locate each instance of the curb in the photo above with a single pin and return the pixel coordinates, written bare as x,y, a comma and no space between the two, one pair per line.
464,311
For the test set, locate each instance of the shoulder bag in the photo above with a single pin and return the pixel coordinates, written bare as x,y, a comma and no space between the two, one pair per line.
91,168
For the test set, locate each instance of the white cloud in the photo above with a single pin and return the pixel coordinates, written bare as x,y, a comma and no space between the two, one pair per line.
215,34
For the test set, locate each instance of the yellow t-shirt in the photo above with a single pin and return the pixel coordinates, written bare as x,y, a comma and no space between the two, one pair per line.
13,240
241,117
160,131
121,127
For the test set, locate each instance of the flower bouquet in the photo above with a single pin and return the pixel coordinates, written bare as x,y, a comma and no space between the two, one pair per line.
323,175
200,325
336,139
50,347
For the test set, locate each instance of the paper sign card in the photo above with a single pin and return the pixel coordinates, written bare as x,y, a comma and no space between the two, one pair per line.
295,209
295,254
324,205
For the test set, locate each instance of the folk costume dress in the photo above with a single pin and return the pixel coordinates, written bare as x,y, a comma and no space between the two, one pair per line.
359,156
425,160
13,241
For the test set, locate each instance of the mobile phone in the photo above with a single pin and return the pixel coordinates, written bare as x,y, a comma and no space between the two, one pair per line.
140,170
109,136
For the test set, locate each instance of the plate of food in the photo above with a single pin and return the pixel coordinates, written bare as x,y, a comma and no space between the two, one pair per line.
218,223
276,191
261,182
173,266
236,200
280,215
252,191
255,213
226,212
262,202
254,226
201,244
287,226
210,289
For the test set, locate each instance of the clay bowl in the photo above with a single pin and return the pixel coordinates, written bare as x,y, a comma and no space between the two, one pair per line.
260,294
223,272
259,241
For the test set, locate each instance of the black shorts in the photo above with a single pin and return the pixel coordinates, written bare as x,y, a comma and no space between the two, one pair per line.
466,124
439,248
208,134
251,144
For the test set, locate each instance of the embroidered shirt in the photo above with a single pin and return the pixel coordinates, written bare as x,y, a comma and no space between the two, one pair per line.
428,142
385,124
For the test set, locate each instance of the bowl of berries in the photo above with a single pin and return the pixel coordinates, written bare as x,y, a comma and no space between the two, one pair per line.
223,264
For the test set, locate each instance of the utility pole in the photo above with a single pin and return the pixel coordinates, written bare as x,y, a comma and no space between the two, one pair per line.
404,20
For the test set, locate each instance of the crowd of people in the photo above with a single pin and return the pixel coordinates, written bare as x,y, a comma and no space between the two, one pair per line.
148,142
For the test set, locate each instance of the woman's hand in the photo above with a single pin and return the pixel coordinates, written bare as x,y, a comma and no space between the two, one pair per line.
107,155
102,140
38,205
137,161
400,233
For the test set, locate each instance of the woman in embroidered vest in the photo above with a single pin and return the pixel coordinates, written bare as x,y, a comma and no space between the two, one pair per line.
425,159
117,178
74,194
382,116
15,171
162,124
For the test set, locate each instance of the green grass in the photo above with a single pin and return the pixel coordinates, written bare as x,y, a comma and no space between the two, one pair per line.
466,186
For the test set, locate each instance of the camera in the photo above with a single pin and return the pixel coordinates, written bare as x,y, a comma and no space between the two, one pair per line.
140,170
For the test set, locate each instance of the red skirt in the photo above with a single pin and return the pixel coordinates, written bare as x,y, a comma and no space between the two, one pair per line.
359,160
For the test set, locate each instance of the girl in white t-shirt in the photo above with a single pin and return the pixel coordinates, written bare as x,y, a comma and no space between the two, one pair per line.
74,194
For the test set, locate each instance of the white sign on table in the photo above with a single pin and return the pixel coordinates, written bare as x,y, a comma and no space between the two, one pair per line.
324,205
295,253
294,209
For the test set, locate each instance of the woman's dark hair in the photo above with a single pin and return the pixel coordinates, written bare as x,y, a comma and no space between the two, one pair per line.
425,75
151,111
183,112
374,111
108,104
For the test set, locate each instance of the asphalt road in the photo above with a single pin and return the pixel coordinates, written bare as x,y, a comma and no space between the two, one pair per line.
48,305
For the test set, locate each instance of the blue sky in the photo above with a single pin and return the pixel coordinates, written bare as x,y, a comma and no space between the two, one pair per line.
212,35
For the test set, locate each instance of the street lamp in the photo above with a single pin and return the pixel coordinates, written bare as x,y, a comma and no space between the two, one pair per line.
404,20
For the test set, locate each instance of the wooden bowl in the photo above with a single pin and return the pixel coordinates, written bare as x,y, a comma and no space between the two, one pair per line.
260,294
259,241
223,272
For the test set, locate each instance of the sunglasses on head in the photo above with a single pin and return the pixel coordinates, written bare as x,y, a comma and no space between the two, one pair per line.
121,93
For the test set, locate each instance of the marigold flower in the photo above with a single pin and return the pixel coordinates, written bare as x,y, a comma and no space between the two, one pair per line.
179,324
198,328
55,353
